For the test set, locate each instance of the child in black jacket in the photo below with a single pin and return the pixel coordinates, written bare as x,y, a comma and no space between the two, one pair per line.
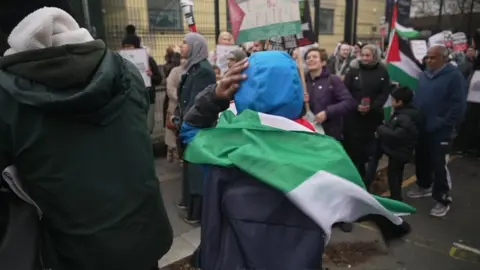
398,137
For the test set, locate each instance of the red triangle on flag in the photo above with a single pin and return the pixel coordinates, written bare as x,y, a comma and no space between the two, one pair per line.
394,46
394,49
394,17
236,17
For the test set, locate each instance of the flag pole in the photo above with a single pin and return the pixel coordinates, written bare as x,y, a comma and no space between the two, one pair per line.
216,10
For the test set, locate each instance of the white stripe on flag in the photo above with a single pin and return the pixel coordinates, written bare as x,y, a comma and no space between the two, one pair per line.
408,66
281,123
318,197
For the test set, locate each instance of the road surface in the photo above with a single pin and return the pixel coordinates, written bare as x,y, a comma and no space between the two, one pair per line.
450,243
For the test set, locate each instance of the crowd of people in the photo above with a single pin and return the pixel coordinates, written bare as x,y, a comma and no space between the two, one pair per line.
74,130
347,91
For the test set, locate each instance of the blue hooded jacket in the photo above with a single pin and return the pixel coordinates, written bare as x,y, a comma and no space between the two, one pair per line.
247,224
441,97
273,86
235,203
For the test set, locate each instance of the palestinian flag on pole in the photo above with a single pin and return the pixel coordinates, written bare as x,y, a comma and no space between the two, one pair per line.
311,169
402,66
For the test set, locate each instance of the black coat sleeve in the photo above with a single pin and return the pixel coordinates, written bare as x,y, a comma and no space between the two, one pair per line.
5,146
404,128
205,110
385,90
156,75
202,79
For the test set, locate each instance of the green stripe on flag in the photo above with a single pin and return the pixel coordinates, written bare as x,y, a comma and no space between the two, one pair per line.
399,75
311,169
268,31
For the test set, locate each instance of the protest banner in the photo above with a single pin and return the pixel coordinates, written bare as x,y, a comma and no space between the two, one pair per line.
139,58
460,42
259,20
419,49
474,89
437,39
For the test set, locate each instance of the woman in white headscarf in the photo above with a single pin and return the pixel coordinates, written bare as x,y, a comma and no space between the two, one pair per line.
198,73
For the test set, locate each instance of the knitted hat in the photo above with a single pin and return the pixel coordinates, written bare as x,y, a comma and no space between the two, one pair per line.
403,93
13,11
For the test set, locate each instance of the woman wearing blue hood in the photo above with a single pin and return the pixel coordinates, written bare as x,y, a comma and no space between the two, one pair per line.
250,161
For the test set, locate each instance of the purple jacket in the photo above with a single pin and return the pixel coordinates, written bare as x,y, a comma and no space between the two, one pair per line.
328,93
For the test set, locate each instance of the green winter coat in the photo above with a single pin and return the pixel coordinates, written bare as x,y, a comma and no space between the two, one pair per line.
73,122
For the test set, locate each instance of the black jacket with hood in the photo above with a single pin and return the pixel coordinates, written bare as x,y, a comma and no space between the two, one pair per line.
399,135
73,122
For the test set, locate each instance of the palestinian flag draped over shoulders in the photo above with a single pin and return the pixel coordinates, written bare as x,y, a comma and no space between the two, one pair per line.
311,169
402,66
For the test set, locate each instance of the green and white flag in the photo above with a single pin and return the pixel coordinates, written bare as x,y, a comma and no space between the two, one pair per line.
402,66
259,20
311,169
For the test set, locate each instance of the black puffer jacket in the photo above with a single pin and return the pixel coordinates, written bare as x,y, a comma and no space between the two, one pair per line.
398,136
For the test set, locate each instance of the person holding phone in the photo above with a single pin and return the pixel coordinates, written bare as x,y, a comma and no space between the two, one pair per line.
369,83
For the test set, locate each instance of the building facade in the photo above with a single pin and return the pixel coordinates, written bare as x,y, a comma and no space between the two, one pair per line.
160,23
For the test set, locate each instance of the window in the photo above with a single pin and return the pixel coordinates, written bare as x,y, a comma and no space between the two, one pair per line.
326,21
165,15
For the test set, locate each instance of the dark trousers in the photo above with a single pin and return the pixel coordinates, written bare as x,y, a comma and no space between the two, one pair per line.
431,166
395,178
468,139
375,153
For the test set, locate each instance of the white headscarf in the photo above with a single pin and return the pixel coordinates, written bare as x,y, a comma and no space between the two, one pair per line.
198,49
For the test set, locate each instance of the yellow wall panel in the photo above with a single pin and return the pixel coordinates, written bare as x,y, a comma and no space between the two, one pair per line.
120,13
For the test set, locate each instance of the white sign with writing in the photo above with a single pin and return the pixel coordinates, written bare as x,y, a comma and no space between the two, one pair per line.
263,19
437,39
474,89
419,49
139,58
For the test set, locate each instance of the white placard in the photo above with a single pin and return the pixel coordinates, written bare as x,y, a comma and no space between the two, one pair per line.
474,89
437,39
139,58
419,49
460,42
222,53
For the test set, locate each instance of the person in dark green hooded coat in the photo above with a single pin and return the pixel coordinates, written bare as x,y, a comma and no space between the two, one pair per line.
73,123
